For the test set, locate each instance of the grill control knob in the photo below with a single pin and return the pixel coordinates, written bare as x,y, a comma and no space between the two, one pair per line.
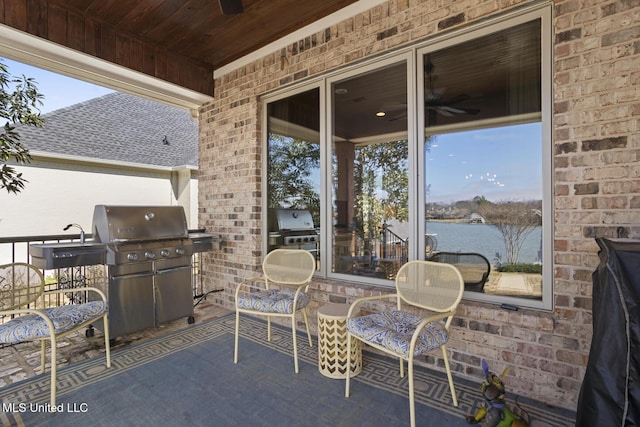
149,255
180,251
132,256
165,252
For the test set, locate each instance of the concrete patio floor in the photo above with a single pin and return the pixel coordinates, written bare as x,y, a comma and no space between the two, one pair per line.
22,361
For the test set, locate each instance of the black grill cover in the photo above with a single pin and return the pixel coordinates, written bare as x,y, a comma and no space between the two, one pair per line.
610,393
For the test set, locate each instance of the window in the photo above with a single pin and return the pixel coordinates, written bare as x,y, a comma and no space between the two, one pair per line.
484,156
369,172
293,171
440,152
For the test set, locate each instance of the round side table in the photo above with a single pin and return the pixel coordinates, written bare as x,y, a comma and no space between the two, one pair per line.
332,342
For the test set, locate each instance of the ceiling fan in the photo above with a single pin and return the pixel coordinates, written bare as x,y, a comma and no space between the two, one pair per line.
231,7
434,102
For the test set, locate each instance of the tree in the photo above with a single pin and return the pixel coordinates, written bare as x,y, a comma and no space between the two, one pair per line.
381,166
19,101
514,220
292,164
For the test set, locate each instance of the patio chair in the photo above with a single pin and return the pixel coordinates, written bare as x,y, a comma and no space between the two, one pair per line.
475,268
427,295
29,315
290,270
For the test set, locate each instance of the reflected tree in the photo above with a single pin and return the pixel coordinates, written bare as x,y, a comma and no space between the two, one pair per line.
514,220
382,185
293,171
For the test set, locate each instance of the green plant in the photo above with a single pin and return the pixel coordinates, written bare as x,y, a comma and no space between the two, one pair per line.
19,100
521,268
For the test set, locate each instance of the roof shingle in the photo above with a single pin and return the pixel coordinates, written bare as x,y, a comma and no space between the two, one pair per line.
118,127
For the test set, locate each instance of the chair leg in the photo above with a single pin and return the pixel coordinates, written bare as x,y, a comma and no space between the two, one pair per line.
306,322
401,367
53,370
235,347
268,328
107,343
348,373
295,342
412,402
43,355
449,377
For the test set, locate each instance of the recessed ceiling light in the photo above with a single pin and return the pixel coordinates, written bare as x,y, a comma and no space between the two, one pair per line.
381,114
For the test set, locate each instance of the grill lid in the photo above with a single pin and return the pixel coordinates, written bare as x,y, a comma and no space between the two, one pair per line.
285,220
116,224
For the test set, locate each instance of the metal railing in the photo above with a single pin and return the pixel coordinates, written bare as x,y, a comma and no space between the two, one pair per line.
16,249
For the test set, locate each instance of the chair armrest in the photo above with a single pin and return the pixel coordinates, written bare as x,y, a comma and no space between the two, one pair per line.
425,322
83,289
365,299
244,283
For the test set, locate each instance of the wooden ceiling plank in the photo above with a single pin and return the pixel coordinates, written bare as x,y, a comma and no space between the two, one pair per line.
37,22
15,14
76,31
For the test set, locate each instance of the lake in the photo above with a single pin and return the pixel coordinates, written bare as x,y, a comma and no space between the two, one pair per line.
484,239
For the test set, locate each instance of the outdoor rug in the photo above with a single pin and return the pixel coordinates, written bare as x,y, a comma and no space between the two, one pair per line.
188,378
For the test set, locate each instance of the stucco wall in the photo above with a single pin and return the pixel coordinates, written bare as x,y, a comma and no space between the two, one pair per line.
596,176
60,192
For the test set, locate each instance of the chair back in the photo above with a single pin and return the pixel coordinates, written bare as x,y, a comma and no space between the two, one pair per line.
289,266
21,284
430,285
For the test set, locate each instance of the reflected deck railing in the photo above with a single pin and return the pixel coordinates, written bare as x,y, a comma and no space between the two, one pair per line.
17,249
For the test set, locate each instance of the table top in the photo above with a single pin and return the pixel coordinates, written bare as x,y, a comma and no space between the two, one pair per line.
333,310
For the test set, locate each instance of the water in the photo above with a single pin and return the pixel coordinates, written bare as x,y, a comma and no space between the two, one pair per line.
483,239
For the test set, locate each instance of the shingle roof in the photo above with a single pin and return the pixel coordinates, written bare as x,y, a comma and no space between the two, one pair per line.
118,127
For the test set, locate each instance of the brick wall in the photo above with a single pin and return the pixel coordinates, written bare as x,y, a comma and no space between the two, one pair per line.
596,176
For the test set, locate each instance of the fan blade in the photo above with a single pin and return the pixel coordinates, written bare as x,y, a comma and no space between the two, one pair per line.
435,94
231,7
443,111
449,111
456,99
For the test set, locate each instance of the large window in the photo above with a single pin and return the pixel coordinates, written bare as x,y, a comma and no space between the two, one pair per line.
441,152
369,171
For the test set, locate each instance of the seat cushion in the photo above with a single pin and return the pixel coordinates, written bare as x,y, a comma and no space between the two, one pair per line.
394,329
273,301
31,326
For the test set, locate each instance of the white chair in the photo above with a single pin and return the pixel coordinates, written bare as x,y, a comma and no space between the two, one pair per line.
291,271
422,285
28,314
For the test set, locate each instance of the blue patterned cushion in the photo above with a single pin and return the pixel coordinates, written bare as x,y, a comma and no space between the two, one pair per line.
64,318
273,301
394,330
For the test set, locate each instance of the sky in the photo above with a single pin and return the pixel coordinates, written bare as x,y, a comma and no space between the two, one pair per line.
500,163
59,91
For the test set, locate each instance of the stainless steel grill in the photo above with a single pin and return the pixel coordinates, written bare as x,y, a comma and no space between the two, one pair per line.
148,252
292,228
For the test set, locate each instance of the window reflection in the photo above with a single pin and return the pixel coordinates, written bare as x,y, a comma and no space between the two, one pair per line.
370,172
293,172
483,160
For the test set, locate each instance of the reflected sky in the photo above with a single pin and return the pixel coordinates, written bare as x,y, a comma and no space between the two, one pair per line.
503,163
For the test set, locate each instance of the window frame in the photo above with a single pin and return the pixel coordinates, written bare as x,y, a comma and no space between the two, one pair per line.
413,56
